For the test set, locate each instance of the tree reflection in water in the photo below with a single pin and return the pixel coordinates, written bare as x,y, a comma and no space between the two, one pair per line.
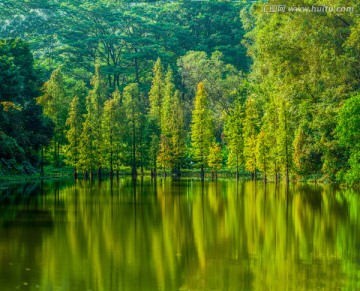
178,235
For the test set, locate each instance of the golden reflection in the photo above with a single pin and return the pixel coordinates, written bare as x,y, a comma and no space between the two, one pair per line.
179,235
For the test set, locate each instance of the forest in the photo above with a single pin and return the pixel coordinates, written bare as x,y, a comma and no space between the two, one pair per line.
172,87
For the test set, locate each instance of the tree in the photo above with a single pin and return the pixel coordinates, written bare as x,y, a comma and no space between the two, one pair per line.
134,125
74,123
112,129
156,94
215,159
284,139
233,131
153,153
348,133
201,129
178,134
91,138
221,81
54,102
155,115
164,157
262,153
24,130
172,127
306,75
250,135
269,139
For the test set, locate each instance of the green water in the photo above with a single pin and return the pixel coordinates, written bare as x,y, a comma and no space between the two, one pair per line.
178,235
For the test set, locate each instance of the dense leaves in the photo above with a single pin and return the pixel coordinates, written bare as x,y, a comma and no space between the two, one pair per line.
171,87
23,129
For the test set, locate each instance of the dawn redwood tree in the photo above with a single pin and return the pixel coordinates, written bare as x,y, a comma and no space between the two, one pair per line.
348,132
55,103
233,131
74,123
215,159
91,138
134,125
112,128
154,113
250,134
201,129
172,128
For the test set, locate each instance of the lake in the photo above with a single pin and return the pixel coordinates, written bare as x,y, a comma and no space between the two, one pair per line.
178,235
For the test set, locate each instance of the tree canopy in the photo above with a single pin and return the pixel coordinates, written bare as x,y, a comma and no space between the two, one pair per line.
215,86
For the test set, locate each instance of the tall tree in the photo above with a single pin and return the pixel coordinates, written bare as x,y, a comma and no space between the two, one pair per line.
172,127
284,140
73,134
348,132
178,134
215,159
54,102
24,130
112,129
311,75
155,115
262,153
250,135
201,129
233,131
156,93
134,125
91,138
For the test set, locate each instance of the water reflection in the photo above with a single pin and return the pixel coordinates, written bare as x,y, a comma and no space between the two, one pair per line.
178,235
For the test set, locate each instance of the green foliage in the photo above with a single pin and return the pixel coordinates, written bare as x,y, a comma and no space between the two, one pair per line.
215,158
156,94
172,145
223,82
233,131
301,76
201,128
74,123
55,104
24,131
250,134
348,132
112,129
155,114
262,153
348,128
134,126
293,114
125,38
91,137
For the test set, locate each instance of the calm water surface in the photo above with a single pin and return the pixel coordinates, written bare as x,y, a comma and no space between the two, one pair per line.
178,235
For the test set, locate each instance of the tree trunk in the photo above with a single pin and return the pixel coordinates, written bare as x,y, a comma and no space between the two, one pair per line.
55,155
237,171
42,163
133,166
136,69
58,154
202,173
286,150
111,163
133,170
